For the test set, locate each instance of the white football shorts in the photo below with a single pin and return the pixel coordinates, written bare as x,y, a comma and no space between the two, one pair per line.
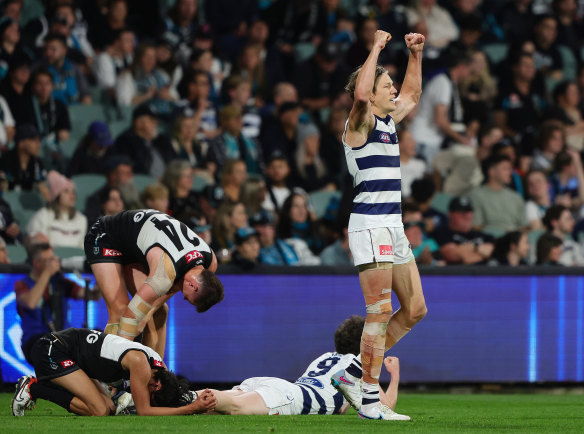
380,245
281,397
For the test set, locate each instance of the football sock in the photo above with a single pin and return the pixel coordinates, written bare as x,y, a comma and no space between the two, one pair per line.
354,371
59,396
112,328
370,393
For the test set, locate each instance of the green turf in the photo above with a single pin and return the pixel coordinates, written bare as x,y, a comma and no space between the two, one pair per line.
431,413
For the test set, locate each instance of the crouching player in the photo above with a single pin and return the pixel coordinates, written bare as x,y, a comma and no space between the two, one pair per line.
69,364
153,255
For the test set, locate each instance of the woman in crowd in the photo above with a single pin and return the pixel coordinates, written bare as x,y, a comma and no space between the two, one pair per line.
512,249
230,216
310,171
178,178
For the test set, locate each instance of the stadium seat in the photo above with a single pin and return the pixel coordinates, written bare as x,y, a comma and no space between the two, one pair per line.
85,186
532,237
23,205
320,200
82,115
142,181
570,63
440,202
16,253
199,183
496,51
68,252
303,51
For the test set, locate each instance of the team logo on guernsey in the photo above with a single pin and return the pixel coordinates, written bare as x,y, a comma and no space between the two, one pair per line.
111,252
191,256
67,363
384,137
385,250
158,364
310,382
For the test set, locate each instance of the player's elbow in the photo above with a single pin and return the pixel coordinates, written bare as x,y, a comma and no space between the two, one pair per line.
361,96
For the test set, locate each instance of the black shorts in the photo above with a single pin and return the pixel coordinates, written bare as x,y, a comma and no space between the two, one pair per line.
51,359
100,247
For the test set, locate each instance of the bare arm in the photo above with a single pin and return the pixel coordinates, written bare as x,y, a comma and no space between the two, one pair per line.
361,119
412,85
443,123
389,397
31,299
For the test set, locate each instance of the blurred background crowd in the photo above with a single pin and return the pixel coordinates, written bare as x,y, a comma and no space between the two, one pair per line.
229,115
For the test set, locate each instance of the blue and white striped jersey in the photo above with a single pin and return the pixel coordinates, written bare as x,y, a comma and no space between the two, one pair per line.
319,396
375,169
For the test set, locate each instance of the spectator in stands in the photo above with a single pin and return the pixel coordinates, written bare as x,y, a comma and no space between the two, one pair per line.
6,125
338,253
258,35
14,87
233,175
249,66
390,15
59,220
106,29
116,57
232,144
310,173
547,56
479,90
567,110
516,19
358,52
548,250
567,180
166,61
497,208
146,83
550,142
411,168
558,221
4,259
238,90
199,225
70,85
539,199
203,60
281,135
283,92
9,43
297,226
247,249
331,150
439,122
181,23
41,297
512,249
195,91
459,243
20,167
274,251
9,228
64,22
519,103
470,26
425,249
155,196
321,79
297,22
119,174
186,146
230,217
570,28
277,173
178,179
110,201
90,154
506,148
12,9
423,191
253,194
148,150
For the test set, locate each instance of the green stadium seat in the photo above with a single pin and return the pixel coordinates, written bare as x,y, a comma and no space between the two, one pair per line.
570,63
16,253
199,183
142,181
68,252
82,115
320,200
303,51
23,205
85,186
440,202
496,51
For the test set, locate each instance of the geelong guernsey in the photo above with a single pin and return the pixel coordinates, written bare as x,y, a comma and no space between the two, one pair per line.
374,167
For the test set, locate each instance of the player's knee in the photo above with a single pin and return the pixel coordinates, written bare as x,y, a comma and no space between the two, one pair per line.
99,409
417,314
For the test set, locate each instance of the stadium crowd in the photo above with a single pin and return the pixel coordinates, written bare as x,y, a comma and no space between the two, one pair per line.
231,116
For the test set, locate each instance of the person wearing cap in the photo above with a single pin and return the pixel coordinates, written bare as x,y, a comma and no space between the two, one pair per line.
310,172
90,155
59,220
148,150
281,135
277,179
20,167
247,249
459,242
274,251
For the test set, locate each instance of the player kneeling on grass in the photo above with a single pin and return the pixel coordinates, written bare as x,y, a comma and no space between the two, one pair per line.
69,365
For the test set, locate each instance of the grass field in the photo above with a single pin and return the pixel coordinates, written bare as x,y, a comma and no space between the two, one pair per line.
431,413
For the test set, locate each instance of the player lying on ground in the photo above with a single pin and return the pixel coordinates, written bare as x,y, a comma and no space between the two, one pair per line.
154,256
69,365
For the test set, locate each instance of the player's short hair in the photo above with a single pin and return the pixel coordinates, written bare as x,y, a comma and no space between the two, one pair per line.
350,87
213,291
348,335
172,390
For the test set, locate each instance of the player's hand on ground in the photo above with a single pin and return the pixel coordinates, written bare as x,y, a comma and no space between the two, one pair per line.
415,42
391,364
204,403
381,38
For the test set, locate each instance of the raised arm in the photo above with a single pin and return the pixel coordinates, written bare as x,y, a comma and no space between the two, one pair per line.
412,86
361,119
389,397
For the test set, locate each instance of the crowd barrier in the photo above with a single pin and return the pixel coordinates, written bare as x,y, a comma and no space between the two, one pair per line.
483,325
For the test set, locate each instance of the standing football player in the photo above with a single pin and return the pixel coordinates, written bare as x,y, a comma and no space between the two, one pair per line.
377,240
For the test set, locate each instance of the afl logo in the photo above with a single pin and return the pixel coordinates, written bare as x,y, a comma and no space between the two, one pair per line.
91,338
138,217
384,137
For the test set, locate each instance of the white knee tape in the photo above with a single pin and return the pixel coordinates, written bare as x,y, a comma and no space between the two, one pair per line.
382,306
139,307
160,281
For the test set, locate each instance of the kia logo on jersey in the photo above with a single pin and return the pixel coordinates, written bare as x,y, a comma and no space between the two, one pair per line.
384,137
67,363
111,252
191,256
385,250
158,363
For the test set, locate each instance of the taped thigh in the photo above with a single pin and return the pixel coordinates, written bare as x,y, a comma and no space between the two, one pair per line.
163,278
379,304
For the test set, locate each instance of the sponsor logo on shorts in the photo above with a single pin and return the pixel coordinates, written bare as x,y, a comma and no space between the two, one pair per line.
191,256
385,249
384,137
67,363
111,252
158,363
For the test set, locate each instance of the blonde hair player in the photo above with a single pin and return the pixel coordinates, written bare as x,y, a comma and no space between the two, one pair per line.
379,246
